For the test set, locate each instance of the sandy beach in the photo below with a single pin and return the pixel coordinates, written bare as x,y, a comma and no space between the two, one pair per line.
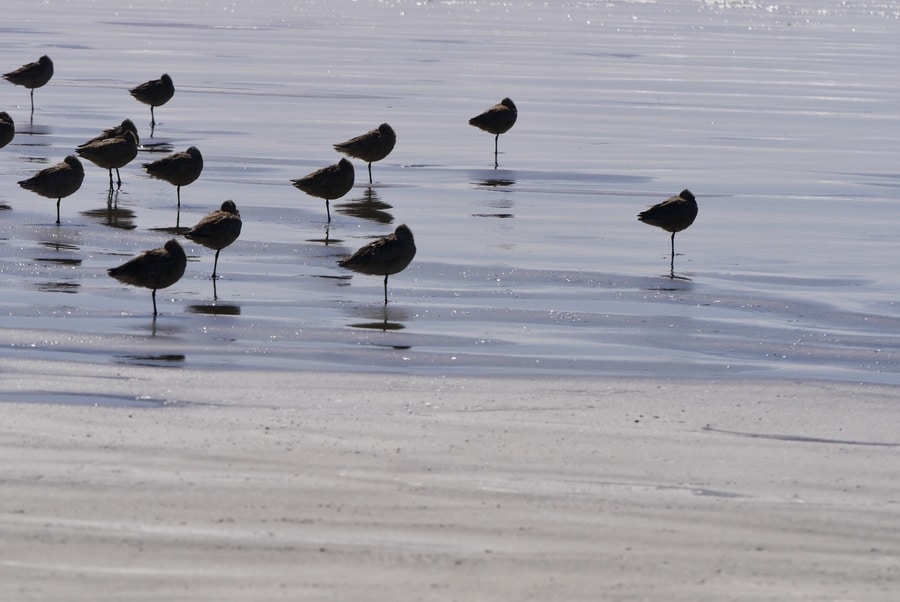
319,486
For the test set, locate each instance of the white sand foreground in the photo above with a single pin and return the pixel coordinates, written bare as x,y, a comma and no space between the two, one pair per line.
279,486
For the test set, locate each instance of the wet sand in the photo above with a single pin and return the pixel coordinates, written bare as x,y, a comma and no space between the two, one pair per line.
320,486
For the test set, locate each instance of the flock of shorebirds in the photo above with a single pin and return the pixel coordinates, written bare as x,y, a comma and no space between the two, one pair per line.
160,268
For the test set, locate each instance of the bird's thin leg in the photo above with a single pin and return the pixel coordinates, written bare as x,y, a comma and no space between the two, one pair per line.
672,262
118,178
215,264
496,141
370,172
152,119
328,210
178,193
32,103
153,295
57,210
110,180
385,288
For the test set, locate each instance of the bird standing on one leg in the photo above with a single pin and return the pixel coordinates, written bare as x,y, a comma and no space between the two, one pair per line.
385,256
217,230
672,215
155,93
372,146
33,75
178,169
57,181
328,183
154,269
497,120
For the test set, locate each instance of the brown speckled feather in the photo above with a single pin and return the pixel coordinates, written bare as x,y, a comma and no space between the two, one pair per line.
372,146
58,181
32,75
217,229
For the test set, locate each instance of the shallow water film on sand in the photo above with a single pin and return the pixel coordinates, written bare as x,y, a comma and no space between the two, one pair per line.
781,119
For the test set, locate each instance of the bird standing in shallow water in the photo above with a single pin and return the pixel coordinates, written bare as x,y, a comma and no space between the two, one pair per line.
57,181
7,129
155,93
179,169
328,183
158,268
385,256
111,153
217,230
497,120
372,146
33,75
672,215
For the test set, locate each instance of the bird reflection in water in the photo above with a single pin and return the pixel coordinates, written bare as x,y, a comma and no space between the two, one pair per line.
159,360
112,215
327,240
496,184
215,309
383,318
368,206
61,284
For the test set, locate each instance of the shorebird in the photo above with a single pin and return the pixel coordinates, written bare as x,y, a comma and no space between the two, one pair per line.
157,268
328,183
111,153
33,75
672,215
7,129
179,169
57,181
155,93
118,131
385,256
372,146
217,230
497,120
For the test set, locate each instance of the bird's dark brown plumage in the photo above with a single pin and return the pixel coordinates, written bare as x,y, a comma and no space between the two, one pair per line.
672,215
217,230
328,183
385,256
154,269
57,181
370,147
